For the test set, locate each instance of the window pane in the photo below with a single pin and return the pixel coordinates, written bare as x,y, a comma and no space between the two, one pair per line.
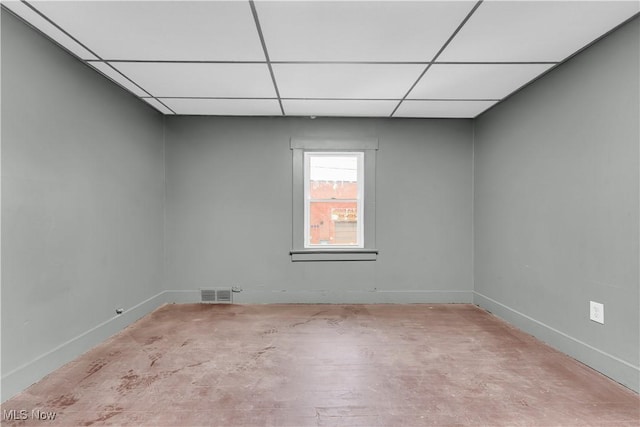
333,177
333,223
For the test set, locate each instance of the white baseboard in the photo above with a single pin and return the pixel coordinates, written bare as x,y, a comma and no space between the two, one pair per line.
250,296
33,371
22,377
615,368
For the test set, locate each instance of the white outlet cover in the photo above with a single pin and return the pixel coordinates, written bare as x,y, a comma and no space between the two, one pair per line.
596,312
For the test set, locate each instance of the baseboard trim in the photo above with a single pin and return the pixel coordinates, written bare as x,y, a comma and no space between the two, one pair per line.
19,379
257,296
619,370
615,368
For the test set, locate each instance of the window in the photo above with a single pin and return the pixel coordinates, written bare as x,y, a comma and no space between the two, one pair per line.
333,195
333,215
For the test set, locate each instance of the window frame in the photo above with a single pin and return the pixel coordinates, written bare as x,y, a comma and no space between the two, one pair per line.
369,148
359,200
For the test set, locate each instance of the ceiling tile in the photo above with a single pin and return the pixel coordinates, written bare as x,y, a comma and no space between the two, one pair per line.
534,31
26,13
474,81
358,31
157,105
345,80
225,107
160,30
348,108
200,80
118,78
453,109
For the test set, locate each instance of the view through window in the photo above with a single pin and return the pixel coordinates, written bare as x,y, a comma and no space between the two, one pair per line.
334,183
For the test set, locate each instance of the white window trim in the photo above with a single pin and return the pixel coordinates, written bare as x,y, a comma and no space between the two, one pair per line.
369,147
359,198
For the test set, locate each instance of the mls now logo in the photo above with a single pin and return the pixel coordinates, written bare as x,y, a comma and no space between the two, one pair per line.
23,414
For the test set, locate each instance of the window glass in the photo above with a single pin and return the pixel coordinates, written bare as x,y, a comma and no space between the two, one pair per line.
333,199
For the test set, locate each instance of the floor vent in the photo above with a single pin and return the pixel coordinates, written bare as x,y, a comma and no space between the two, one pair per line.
217,295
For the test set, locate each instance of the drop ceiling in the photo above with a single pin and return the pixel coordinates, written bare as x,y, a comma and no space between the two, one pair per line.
324,58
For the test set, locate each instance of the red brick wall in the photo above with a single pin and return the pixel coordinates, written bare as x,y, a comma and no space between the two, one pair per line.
322,225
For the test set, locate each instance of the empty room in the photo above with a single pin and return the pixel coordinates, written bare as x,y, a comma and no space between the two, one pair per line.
320,213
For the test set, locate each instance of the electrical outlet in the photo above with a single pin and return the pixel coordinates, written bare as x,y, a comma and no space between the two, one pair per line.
596,312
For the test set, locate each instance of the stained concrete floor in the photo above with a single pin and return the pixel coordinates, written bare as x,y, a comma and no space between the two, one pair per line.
326,365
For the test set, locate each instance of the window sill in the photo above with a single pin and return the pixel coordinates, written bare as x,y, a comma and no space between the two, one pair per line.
334,255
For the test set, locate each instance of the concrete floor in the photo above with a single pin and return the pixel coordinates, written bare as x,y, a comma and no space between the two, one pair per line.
326,365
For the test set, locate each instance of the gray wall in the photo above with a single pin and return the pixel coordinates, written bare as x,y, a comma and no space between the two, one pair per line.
556,206
82,200
229,203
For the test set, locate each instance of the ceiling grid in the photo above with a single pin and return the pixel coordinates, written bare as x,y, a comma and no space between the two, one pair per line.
266,53
105,72
423,59
464,21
